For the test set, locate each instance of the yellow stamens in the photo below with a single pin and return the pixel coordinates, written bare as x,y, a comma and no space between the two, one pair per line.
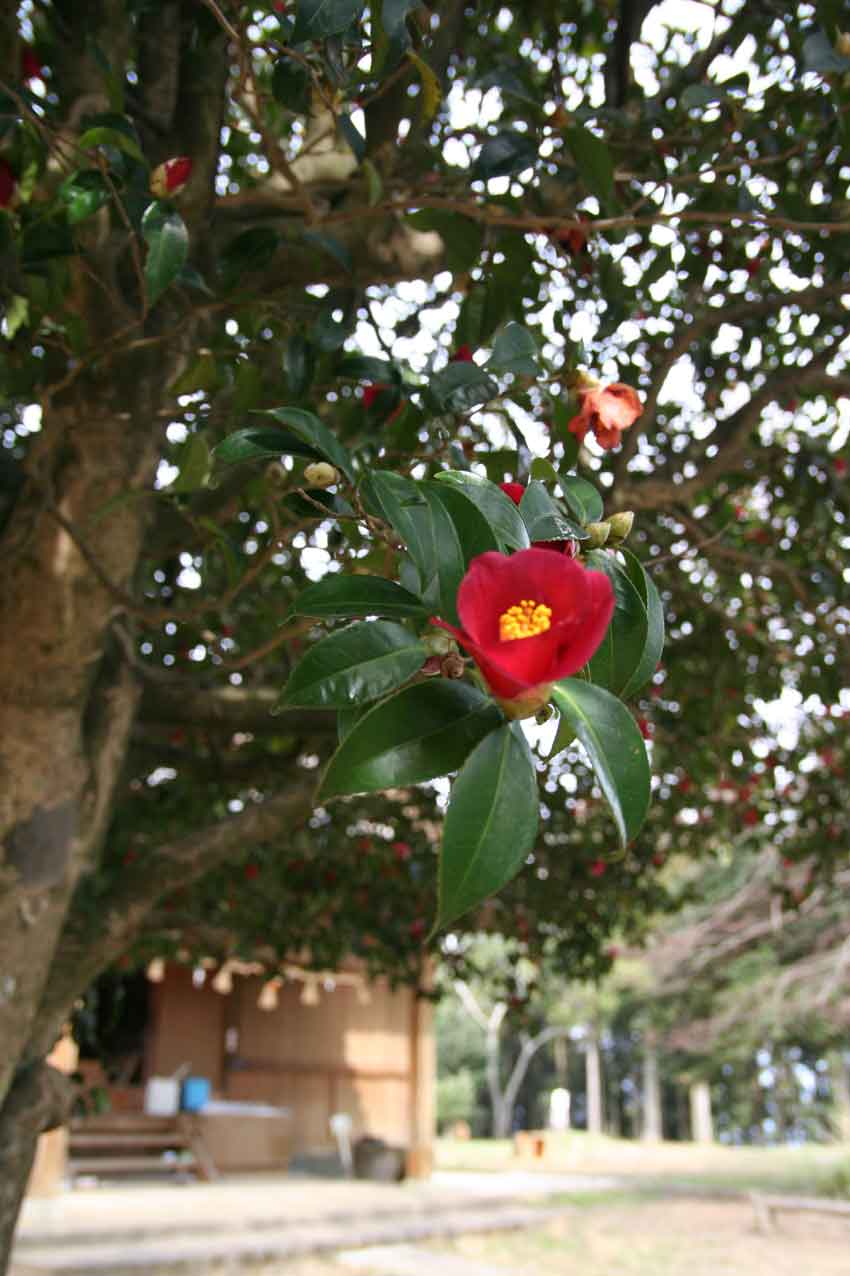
525,619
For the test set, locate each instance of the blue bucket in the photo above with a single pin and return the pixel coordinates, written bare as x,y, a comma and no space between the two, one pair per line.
194,1094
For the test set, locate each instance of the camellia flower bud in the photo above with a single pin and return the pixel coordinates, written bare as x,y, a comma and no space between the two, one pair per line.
453,665
598,534
438,644
620,525
170,177
320,474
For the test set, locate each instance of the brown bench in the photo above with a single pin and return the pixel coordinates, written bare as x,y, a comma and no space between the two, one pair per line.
765,1207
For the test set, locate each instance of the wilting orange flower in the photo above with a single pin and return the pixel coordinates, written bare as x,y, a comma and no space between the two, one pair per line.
607,411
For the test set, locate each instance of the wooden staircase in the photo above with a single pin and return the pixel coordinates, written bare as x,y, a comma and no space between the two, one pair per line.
130,1144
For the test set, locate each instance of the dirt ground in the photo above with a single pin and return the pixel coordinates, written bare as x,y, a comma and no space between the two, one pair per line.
664,1238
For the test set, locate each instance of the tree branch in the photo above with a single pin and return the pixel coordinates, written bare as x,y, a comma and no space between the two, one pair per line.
231,709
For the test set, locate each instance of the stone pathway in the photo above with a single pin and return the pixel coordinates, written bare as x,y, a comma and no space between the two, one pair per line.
127,1229
408,1260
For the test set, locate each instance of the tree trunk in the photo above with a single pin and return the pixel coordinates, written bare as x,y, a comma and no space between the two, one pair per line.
839,1082
37,1100
702,1126
651,1131
593,1075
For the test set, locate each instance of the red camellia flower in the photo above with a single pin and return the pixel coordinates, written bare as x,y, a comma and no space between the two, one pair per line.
839,466
607,411
7,184
529,619
597,868
516,491
371,393
463,354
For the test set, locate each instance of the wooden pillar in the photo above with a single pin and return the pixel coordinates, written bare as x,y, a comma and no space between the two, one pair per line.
51,1155
593,1081
651,1131
702,1126
423,1086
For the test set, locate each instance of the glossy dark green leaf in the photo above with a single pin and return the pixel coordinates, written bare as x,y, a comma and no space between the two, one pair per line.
429,532
506,153
654,647
257,441
336,320
344,597
615,747
315,19
355,665
425,731
83,193
331,245
582,499
167,239
317,503
491,823
313,432
459,387
618,657
462,236
498,509
543,519
593,161
514,350
394,20
821,56
292,85
103,136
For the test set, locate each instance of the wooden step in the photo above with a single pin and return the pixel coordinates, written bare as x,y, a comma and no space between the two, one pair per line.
94,1139
125,1122
131,1165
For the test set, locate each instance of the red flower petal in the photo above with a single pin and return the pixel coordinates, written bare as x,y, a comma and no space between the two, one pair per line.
515,491
463,354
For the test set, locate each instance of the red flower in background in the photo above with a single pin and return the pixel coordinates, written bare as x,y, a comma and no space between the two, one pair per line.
839,466
30,64
7,184
371,394
607,411
463,354
516,492
529,619
597,868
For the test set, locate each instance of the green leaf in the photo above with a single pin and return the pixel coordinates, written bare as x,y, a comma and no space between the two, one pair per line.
167,239
459,387
431,92
292,85
544,471
343,597
315,19
83,193
462,236
353,136
195,463
491,823
248,253
316,434
394,21
498,509
355,665
299,361
514,350
365,367
593,161
820,56
425,731
345,720
654,647
582,498
619,655
424,524
101,136
615,747
328,332
321,504
330,245
374,182
255,441
16,314
543,519
508,152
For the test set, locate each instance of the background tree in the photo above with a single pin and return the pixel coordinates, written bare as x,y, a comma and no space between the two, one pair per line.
396,185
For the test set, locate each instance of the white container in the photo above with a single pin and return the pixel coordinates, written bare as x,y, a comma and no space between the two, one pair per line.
162,1096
